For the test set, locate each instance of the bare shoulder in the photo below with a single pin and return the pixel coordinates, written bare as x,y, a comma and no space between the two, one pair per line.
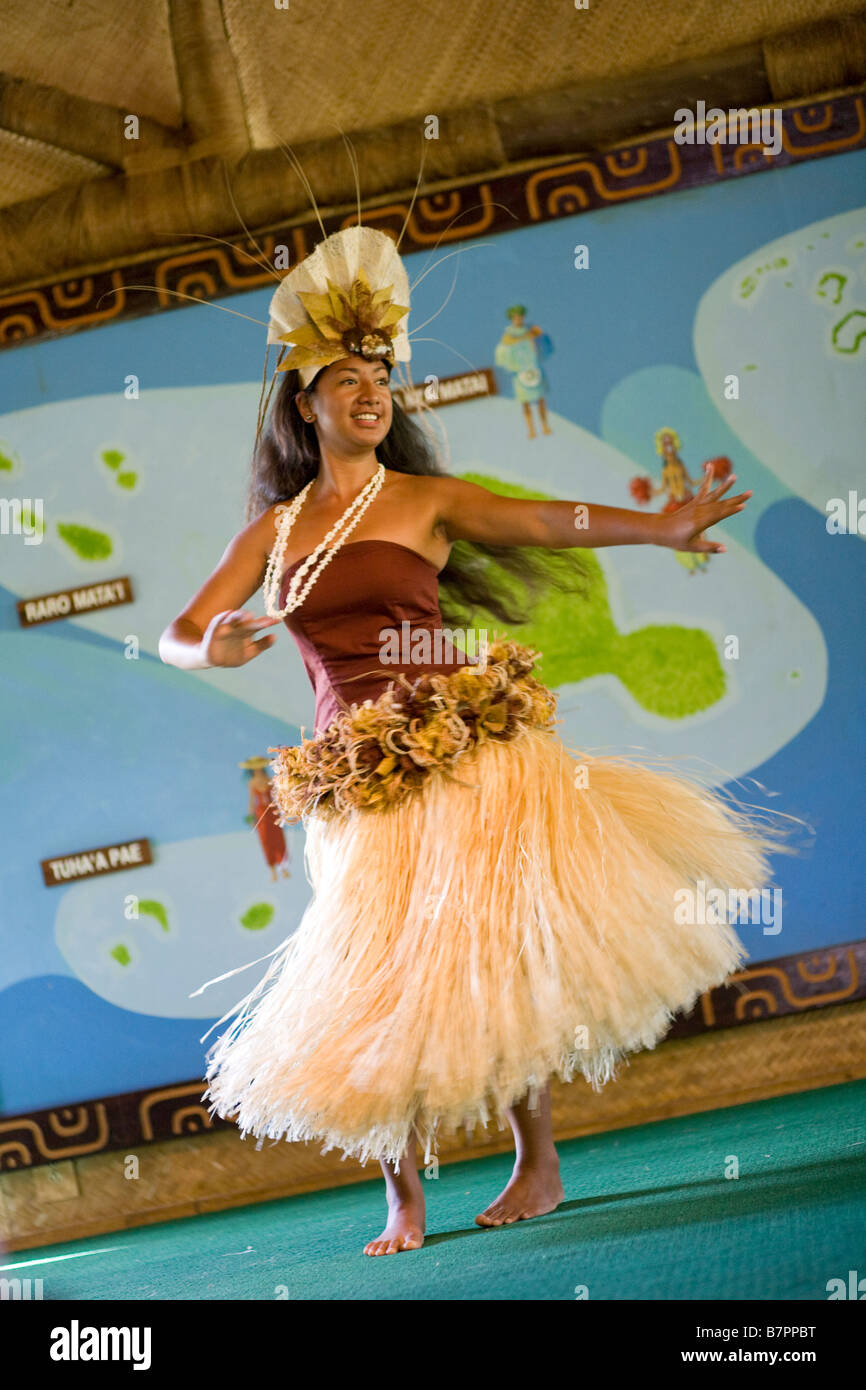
445,491
410,483
443,484
263,529
239,573
430,487
252,545
428,495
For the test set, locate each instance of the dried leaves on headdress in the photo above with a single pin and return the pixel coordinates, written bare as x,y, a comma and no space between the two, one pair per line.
357,323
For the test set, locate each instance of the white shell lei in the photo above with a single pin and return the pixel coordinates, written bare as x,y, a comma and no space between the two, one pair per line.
287,512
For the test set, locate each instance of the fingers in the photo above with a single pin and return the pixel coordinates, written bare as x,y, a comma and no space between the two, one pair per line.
240,621
237,628
232,619
740,497
723,485
705,495
727,509
700,546
720,510
262,646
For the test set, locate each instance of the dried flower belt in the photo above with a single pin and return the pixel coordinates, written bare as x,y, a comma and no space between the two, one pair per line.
375,754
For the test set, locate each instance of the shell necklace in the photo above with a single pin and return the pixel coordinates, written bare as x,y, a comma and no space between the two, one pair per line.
287,513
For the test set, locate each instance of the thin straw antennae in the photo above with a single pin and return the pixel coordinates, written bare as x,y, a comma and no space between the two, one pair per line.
415,194
472,365
350,147
271,269
441,306
260,413
353,160
473,246
456,218
297,166
263,408
427,415
203,236
203,303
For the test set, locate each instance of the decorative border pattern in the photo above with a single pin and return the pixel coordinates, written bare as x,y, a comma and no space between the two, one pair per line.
564,188
787,985
769,989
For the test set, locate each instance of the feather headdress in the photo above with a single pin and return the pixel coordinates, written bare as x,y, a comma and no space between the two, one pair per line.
346,298
349,297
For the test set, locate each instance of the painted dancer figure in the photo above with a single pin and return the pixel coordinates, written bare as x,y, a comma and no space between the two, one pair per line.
676,485
482,917
264,818
521,351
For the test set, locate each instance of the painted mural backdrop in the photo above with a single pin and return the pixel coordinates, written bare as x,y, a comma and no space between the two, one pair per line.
616,368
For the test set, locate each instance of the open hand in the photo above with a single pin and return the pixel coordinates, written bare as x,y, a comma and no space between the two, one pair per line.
229,639
684,529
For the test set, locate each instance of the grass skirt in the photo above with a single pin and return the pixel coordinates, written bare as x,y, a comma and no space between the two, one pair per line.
510,919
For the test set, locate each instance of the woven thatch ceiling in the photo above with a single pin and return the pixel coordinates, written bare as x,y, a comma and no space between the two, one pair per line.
216,82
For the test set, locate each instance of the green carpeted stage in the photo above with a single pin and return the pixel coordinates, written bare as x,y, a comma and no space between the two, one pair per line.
649,1214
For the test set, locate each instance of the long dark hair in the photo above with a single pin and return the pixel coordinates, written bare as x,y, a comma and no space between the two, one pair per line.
476,576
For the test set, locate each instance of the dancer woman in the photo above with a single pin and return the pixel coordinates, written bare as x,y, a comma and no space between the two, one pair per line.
487,909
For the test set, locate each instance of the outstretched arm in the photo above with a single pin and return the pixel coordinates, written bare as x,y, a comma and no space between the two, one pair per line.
471,513
214,629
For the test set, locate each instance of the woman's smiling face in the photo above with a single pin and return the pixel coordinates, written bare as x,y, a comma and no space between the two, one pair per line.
351,403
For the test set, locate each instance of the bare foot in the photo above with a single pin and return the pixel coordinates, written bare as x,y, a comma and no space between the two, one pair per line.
405,1228
531,1191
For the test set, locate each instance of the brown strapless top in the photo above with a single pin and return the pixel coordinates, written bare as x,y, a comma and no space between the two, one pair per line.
367,586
